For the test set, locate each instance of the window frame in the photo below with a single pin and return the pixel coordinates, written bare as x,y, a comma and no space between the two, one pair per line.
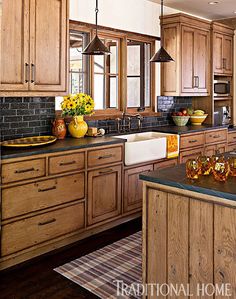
122,36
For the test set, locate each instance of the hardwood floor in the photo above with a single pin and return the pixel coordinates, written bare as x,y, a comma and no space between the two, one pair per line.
37,280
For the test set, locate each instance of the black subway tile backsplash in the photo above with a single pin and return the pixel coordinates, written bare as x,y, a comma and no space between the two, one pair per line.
21,117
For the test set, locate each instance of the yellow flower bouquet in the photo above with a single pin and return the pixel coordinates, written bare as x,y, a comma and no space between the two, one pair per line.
77,106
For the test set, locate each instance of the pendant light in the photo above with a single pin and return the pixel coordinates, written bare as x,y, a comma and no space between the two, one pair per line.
161,55
96,46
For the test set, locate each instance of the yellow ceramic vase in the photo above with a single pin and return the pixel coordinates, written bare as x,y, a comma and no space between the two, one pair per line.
78,127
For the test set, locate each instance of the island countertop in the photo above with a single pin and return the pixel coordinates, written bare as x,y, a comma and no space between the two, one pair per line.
60,145
176,177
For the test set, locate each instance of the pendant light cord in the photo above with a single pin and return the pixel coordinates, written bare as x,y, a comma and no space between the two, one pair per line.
96,11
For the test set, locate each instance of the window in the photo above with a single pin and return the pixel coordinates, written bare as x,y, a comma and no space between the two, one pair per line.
106,77
79,64
118,81
138,74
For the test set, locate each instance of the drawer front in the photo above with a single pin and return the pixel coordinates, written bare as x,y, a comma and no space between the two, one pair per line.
24,170
165,164
232,137
104,156
66,163
192,141
232,148
25,233
216,136
41,195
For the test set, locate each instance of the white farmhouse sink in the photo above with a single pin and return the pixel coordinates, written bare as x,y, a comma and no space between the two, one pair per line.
144,147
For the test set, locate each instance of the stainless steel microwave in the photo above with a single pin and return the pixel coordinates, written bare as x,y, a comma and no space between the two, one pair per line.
221,88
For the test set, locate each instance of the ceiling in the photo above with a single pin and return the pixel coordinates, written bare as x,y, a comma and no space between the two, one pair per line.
201,8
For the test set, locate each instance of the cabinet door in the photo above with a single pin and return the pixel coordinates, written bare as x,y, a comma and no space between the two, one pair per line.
190,154
104,194
201,60
228,54
218,41
210,150
48,45
14,47
221,148
188,59
133,188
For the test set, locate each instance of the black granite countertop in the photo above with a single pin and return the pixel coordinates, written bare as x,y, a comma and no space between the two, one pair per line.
176,177
186,129
60,145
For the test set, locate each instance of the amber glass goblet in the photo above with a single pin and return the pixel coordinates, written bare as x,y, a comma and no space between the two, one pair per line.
192,169
205,165
232,166
221,170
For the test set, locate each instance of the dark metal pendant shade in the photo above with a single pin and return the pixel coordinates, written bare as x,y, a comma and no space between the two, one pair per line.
96,47
161,56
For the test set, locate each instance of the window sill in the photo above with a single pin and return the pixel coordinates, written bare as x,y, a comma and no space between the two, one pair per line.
103,116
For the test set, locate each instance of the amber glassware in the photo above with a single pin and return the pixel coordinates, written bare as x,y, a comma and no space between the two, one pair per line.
221,170
205,165
192,169
232,166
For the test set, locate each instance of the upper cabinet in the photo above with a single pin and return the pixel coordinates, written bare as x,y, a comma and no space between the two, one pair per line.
223,49
34,48
187,40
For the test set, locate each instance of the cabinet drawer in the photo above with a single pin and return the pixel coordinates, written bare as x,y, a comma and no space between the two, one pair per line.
232,137
216,136
41,195
24,170
192,141
232,148
25,233
66,163
104,156
165,164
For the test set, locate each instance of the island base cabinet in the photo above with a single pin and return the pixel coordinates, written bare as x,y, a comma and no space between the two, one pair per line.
104,194
188,242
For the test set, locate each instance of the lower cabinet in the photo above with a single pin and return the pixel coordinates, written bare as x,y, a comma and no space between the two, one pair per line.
133,187
190,154
104,194
31,231
216,149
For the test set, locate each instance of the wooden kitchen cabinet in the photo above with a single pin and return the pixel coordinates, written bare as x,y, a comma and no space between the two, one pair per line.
34,48
216,149
190,154
104,194
133,187
223,49
187,40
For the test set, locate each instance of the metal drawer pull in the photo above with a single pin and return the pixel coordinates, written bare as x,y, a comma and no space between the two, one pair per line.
26,170
192,141
106,171
216,136
47,222
105,157
32,73
47,189
67,163
26,72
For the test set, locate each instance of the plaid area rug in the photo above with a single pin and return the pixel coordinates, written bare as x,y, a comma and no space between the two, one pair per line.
100,271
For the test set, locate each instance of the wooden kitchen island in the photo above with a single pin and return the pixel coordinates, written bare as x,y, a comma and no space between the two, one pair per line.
189,235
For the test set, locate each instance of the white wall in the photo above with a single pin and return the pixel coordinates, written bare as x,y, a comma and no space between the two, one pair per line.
139,16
